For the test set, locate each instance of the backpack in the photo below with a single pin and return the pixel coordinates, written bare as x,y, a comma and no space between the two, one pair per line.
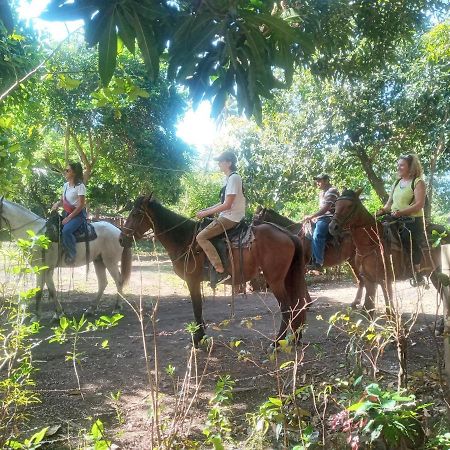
222,191
426,206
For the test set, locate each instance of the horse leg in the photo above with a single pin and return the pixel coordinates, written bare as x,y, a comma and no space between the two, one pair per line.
388,295
369,301
40,283
280,293
298,319
196,298
52,295
439,324
113,269
100,271
360,282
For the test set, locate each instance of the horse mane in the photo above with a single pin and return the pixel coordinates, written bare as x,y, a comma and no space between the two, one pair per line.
282,220
350,194
180,227
25,210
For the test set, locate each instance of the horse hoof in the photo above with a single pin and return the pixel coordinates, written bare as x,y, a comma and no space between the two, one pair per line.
89,312
56,317
271,349
439,330
33,318
354,305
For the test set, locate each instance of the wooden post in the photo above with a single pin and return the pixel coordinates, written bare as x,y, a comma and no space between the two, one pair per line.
445,257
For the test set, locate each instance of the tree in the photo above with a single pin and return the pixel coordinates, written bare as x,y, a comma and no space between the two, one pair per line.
243,48
124,134
355,129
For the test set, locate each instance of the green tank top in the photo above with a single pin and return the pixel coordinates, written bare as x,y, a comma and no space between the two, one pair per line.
402,197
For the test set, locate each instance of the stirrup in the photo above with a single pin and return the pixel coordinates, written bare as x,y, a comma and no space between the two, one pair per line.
218,278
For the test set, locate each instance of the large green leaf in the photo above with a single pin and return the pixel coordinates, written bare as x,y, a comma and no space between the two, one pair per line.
126,30
107,51
95,27
148,44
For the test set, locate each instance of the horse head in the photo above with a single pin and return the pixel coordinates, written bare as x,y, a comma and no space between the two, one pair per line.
345,211
138,221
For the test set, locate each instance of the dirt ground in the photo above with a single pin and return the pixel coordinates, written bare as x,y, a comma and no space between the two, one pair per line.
122,367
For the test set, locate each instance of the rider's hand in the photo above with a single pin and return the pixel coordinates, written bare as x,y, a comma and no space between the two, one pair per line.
396,214
380,212
65,220
202,214
310,217
55,206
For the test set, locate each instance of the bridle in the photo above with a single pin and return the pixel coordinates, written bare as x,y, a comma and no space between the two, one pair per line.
8,224
141,211
341,222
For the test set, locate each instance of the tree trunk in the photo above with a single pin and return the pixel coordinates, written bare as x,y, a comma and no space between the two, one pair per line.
376,182
445,257
66,144
434,159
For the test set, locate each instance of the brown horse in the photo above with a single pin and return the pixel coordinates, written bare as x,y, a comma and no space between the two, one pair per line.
276,252
334,255
371,253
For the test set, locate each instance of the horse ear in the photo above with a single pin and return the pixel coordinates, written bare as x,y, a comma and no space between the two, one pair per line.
358,191
259,208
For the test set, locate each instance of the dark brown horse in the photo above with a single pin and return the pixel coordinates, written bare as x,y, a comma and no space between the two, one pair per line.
277,253
334,255
371,253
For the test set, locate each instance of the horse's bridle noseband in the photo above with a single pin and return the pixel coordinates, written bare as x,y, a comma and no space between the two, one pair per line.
341,222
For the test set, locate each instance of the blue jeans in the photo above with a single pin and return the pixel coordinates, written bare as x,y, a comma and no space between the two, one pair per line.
68,239
319,239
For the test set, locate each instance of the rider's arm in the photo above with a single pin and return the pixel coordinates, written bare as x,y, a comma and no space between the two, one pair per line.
419,200
386,208
229,199
321,211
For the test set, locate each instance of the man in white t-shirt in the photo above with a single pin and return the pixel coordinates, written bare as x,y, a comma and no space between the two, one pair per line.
231,210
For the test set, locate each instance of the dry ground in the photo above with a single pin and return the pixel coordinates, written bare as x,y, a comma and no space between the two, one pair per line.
122,367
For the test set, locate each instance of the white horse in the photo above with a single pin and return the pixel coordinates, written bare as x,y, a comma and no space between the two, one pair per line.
105,252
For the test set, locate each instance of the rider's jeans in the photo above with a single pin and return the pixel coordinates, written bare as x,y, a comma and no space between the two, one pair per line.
319,239
68,239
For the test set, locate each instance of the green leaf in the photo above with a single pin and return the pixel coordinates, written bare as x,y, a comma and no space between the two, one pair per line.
107,51
276,401
148,45
126,30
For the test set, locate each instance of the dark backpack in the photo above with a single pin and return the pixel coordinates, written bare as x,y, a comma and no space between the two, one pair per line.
222,191
426,206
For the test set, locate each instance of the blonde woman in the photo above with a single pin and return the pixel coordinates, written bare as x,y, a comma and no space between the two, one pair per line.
407,199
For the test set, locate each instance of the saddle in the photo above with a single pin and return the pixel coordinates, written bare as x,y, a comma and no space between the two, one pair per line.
393,226
241,236
332,241
53,230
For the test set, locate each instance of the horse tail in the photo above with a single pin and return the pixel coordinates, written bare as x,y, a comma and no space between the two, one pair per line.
295,278
125,265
